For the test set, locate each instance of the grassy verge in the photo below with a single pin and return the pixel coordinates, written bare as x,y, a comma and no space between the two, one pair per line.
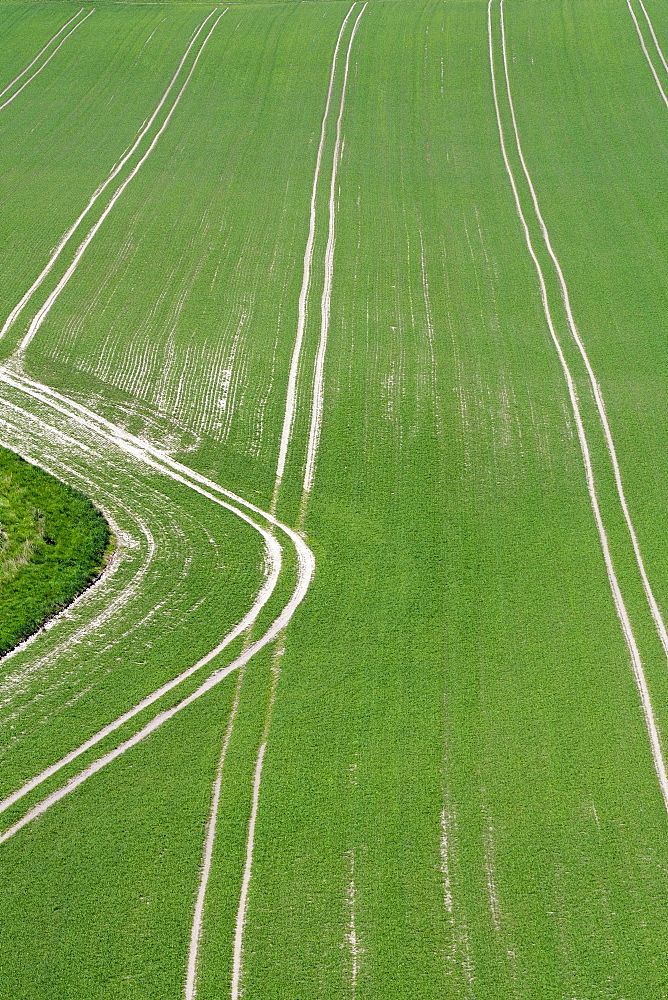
53,544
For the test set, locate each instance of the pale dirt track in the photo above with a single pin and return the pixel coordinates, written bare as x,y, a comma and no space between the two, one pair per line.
94,427
45,309
620,607
176,471
325,305
46,61
311,458
25,299
596,389
288,422
41,52
653,33
302,314
645,50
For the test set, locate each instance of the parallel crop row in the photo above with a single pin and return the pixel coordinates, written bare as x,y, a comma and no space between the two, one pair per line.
381,286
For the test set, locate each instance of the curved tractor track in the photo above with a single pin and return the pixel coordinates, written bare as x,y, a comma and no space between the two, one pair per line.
94,434
95,428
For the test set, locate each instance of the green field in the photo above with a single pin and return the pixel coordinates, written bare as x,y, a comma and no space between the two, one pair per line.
54,544
352,317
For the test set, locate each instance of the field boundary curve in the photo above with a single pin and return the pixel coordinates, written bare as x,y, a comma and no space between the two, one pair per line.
100,582
154,459
159,720
138,447
645,50
109,570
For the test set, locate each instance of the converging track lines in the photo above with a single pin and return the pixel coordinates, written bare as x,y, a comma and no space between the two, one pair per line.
622,613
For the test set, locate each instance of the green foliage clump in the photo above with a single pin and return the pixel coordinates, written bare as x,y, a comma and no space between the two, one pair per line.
53,544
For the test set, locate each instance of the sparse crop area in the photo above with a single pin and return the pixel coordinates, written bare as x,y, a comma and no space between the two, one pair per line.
352,317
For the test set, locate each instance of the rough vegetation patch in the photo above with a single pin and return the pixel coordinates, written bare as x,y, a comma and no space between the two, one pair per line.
53,544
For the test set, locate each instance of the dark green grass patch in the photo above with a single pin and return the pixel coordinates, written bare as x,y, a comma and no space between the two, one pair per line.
53,544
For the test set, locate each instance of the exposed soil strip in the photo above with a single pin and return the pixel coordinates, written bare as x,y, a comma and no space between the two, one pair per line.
620,607
644,48
20,306
596,389
46,61
286,434
319,372
656,40
291,399
180,473
40,53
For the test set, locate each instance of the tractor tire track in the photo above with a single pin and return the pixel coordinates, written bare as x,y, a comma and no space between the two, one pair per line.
152,458
190,990
653,33
644,47
325,305
45,309
20,306
596,389
309,474
46,61
291,399
620,607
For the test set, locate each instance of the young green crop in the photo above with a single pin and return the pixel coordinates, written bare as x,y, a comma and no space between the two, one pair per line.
458,797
